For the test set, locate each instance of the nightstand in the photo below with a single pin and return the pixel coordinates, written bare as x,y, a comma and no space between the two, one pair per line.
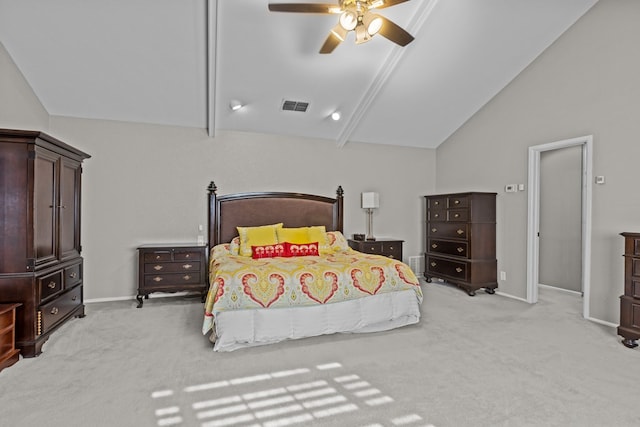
171,268
391,248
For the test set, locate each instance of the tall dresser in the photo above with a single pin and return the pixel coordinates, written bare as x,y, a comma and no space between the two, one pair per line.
461,240
40,262
629,328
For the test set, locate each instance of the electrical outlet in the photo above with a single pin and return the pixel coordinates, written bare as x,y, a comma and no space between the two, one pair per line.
503,275
511,188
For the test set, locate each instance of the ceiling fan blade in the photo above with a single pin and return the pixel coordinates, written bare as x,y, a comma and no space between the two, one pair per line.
304,7
388,3
394,32
336,36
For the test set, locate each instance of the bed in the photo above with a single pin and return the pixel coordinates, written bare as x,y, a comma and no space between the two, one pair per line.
307,282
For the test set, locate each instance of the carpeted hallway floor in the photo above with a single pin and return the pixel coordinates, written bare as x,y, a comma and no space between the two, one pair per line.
482,361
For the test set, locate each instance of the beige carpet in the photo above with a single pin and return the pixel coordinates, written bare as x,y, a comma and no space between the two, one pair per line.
481,361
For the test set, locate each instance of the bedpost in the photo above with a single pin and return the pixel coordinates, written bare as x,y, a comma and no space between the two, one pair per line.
338,214
211,229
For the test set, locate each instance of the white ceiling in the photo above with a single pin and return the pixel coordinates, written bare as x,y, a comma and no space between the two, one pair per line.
146,61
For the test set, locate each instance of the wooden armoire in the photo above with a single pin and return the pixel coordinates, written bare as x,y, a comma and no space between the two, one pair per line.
40,262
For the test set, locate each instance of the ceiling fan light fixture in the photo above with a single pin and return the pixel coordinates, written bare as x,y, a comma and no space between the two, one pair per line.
372,23
361,34
349,20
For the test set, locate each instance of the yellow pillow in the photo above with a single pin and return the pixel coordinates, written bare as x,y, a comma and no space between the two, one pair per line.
293,235
257,236
318,234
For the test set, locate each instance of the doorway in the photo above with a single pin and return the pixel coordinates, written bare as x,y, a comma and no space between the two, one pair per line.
533,226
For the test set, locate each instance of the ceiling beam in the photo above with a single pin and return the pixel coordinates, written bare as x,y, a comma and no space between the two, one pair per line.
387,68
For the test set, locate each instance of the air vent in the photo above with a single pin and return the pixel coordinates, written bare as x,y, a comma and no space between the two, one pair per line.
417,265
295,106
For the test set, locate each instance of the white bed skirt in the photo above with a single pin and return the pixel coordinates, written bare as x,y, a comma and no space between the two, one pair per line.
248,328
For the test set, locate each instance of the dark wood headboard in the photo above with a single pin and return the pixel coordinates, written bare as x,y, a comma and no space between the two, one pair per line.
253,209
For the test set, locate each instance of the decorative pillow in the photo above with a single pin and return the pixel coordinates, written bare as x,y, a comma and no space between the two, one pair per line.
337,241
268,251
293,235
318,234
257,236
301,249
234,246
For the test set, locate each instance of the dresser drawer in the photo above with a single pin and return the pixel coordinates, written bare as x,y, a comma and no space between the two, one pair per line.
448,231
153,280
437,203
371,247
458,202
445,267
50,284
157,256
448,247
187,255
57,310
171,267
72,275
458,215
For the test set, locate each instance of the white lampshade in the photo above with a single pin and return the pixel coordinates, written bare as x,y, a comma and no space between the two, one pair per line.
370,200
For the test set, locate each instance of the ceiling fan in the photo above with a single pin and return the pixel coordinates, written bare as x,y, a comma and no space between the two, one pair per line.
355,15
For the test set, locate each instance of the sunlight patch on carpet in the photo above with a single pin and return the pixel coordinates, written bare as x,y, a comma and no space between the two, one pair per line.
282,398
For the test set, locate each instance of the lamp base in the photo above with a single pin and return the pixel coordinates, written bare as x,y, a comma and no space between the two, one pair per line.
370,239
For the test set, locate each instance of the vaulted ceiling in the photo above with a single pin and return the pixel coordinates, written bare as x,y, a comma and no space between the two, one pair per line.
182,62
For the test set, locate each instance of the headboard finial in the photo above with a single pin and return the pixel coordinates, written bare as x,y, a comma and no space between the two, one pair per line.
340,191
212,187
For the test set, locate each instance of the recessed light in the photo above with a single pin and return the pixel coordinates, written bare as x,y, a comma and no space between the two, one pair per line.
335,115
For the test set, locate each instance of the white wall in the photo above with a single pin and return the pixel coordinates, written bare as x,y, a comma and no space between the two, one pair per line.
19,106
586,83
147,184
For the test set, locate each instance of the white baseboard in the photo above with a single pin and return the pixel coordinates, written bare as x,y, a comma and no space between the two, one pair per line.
502,294
555,288
133,297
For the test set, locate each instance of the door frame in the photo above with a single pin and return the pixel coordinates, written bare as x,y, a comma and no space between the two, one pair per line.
533,222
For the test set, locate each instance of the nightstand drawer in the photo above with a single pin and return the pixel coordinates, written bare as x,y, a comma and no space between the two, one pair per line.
171,267
157,256
186,256
386,247
171,279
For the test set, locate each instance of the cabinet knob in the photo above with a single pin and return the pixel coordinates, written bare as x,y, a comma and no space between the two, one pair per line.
459,231
187,256
433,264
157,279
436,202
186,277
187,266
436,215
460,250
158,267
73,275
54,310
434,245
157,256
433,230
458,269
456,215
456,202
74,298
51,285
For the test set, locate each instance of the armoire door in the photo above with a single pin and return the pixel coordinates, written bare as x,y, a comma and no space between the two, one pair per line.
69,210
45,214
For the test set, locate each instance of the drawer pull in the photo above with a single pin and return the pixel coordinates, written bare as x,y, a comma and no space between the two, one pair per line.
73,275
456,202
158,267
391,256
187,256
436,203
436,215
433,230
187,266
460,250
54,310
157,256
458,269
456,215
157,279
372,248
433,264
460,231
186,277
51,285
434,245
390,248
74,298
